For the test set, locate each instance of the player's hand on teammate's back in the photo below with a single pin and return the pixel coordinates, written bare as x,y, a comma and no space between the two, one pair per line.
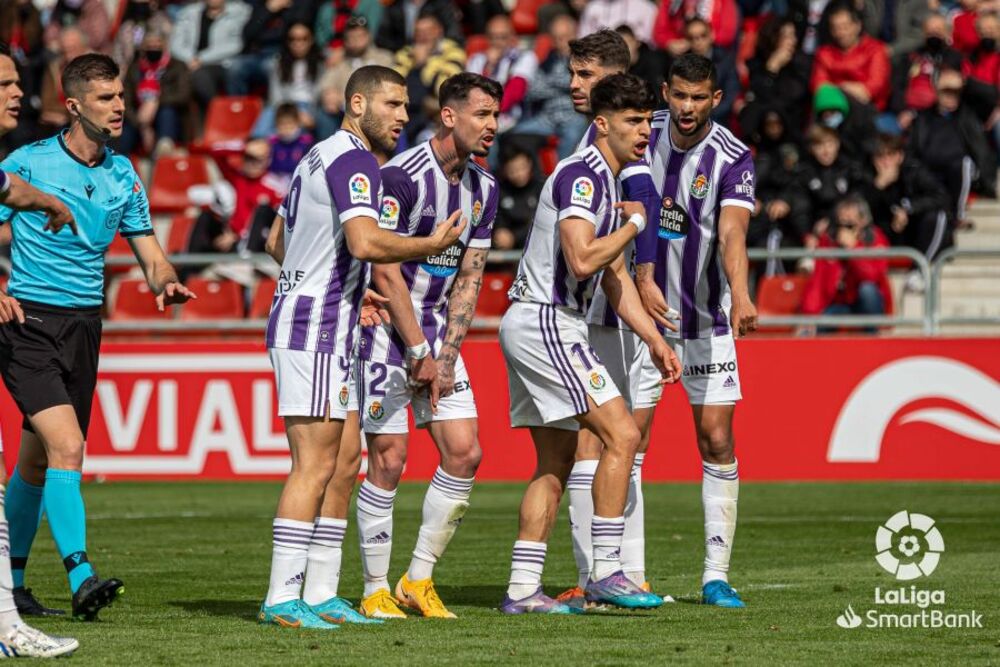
630,208
656,306
666,362
172,293
59,216
10,309
372,312
743,317
448,232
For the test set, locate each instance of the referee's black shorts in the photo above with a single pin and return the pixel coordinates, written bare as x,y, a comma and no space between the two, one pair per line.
51,359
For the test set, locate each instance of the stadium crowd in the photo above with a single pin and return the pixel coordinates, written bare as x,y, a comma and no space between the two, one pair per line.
872,121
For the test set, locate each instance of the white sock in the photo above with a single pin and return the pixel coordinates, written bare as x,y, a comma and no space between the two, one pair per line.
288,560
581,511
606,534
526,565
634,538
9,618
375,534
720,488
445,504
325,553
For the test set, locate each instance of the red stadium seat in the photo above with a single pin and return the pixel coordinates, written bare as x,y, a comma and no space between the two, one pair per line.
263,295
172,176
543,46
780,295
180,232
217,300
135,301
476,44
229,119
548,156
525,16
493,299
119,248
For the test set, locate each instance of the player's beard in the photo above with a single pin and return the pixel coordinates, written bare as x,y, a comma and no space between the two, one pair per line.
698,124
378,134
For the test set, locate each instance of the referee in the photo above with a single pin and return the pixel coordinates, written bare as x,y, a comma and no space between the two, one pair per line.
49,350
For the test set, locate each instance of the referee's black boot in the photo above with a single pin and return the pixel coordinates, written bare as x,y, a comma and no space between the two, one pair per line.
94,595
28,604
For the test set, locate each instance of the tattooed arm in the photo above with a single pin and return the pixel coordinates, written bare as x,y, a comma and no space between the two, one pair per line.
461,310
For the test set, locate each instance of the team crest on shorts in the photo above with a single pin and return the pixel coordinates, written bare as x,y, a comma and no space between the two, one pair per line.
343,396
477,212
699,188
376,411
597,381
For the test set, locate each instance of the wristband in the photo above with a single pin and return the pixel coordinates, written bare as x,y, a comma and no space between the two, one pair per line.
639,221
418,352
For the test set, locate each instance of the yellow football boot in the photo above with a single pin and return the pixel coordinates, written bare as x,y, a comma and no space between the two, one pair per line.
421,596
381,604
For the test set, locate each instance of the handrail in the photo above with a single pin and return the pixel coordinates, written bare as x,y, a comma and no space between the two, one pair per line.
934,287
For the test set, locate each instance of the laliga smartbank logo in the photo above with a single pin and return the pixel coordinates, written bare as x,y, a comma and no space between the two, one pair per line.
909,546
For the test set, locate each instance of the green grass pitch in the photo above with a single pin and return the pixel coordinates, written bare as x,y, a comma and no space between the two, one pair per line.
195,557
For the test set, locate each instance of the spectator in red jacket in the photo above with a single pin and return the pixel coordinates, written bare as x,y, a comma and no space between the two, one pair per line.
984,65
849,286
856,63
722,15
965,38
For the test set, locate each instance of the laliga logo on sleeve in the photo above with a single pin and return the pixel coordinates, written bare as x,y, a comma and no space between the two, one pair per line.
909,546
583,192
360,189
389,216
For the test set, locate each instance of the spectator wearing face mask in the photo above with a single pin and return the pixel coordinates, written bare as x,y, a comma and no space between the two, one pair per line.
949,139
853,122
140,18
849,286
779,77
914,73
984,66
157,94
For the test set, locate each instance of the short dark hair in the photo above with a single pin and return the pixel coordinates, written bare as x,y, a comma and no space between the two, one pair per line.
605,47
366,80
843,6
624,29
888,143
618,92
86,68
693,68
696,19
457,88
5,49
286,110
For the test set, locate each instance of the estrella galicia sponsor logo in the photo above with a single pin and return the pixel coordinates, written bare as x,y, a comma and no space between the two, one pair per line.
674,221
376,411
597,381
710,369
909,546
700,186
445,264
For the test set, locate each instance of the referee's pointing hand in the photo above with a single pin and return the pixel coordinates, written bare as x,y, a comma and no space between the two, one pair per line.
173,293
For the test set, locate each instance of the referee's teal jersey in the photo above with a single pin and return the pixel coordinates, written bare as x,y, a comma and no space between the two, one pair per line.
64,269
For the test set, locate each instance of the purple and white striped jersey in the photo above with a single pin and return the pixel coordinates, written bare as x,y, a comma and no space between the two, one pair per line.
318,296
636,181
416,197
582,186
694,186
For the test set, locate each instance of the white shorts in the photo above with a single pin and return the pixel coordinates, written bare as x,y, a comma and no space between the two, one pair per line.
711,375
386,397
551,369
626,356
310,382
